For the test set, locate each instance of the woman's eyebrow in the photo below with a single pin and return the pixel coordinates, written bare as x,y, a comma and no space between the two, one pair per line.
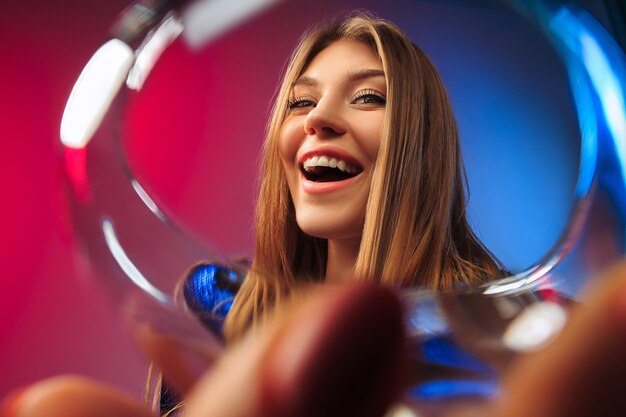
307,80
365,73
304,80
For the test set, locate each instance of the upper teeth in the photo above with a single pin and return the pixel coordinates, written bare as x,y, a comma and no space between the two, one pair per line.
325,161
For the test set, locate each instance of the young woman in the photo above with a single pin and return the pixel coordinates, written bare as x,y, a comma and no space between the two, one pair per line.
362,175
362,179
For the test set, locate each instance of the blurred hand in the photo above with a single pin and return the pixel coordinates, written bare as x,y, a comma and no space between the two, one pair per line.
583,372
342,353
338,353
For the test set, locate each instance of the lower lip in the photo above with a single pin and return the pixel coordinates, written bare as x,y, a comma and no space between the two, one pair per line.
311,187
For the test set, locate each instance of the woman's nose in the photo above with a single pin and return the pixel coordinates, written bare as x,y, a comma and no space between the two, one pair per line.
325,120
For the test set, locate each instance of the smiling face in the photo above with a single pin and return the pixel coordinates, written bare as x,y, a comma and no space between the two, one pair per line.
330,137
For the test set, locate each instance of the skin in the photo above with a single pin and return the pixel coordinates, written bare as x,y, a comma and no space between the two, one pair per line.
289,369
341,350
337,108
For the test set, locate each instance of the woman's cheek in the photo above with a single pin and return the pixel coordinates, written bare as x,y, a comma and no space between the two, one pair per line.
371,133
289,140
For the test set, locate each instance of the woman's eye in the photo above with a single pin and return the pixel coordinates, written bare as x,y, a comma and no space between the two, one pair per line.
300,103
369,97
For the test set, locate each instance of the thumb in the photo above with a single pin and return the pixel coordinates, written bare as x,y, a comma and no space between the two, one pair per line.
340,352
70,396
581,373
177,344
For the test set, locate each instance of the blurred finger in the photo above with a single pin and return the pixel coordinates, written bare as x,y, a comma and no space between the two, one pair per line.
339,353
71,397
182,362
179,346
583,372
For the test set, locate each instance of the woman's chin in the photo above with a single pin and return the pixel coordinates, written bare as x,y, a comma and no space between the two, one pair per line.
332,229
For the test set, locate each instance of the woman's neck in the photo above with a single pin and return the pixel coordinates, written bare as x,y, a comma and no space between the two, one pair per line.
342,254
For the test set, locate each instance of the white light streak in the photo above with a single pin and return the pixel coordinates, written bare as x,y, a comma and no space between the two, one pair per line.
535,326
206,20
147,200
127,265
94,91
149,53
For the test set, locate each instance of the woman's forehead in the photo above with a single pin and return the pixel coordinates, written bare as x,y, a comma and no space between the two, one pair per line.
348,58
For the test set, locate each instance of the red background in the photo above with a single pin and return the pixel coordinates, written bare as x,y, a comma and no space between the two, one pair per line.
53,320
50,322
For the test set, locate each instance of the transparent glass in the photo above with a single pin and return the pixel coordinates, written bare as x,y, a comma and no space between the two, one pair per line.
163,166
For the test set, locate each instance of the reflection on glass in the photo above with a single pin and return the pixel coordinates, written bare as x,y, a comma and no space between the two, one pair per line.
145,222
94,91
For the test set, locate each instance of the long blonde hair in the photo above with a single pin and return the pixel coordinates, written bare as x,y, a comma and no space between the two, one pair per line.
416,231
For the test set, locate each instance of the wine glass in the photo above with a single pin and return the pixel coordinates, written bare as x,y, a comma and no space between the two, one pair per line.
144,222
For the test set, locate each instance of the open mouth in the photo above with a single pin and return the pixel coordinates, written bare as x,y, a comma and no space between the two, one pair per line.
328,169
